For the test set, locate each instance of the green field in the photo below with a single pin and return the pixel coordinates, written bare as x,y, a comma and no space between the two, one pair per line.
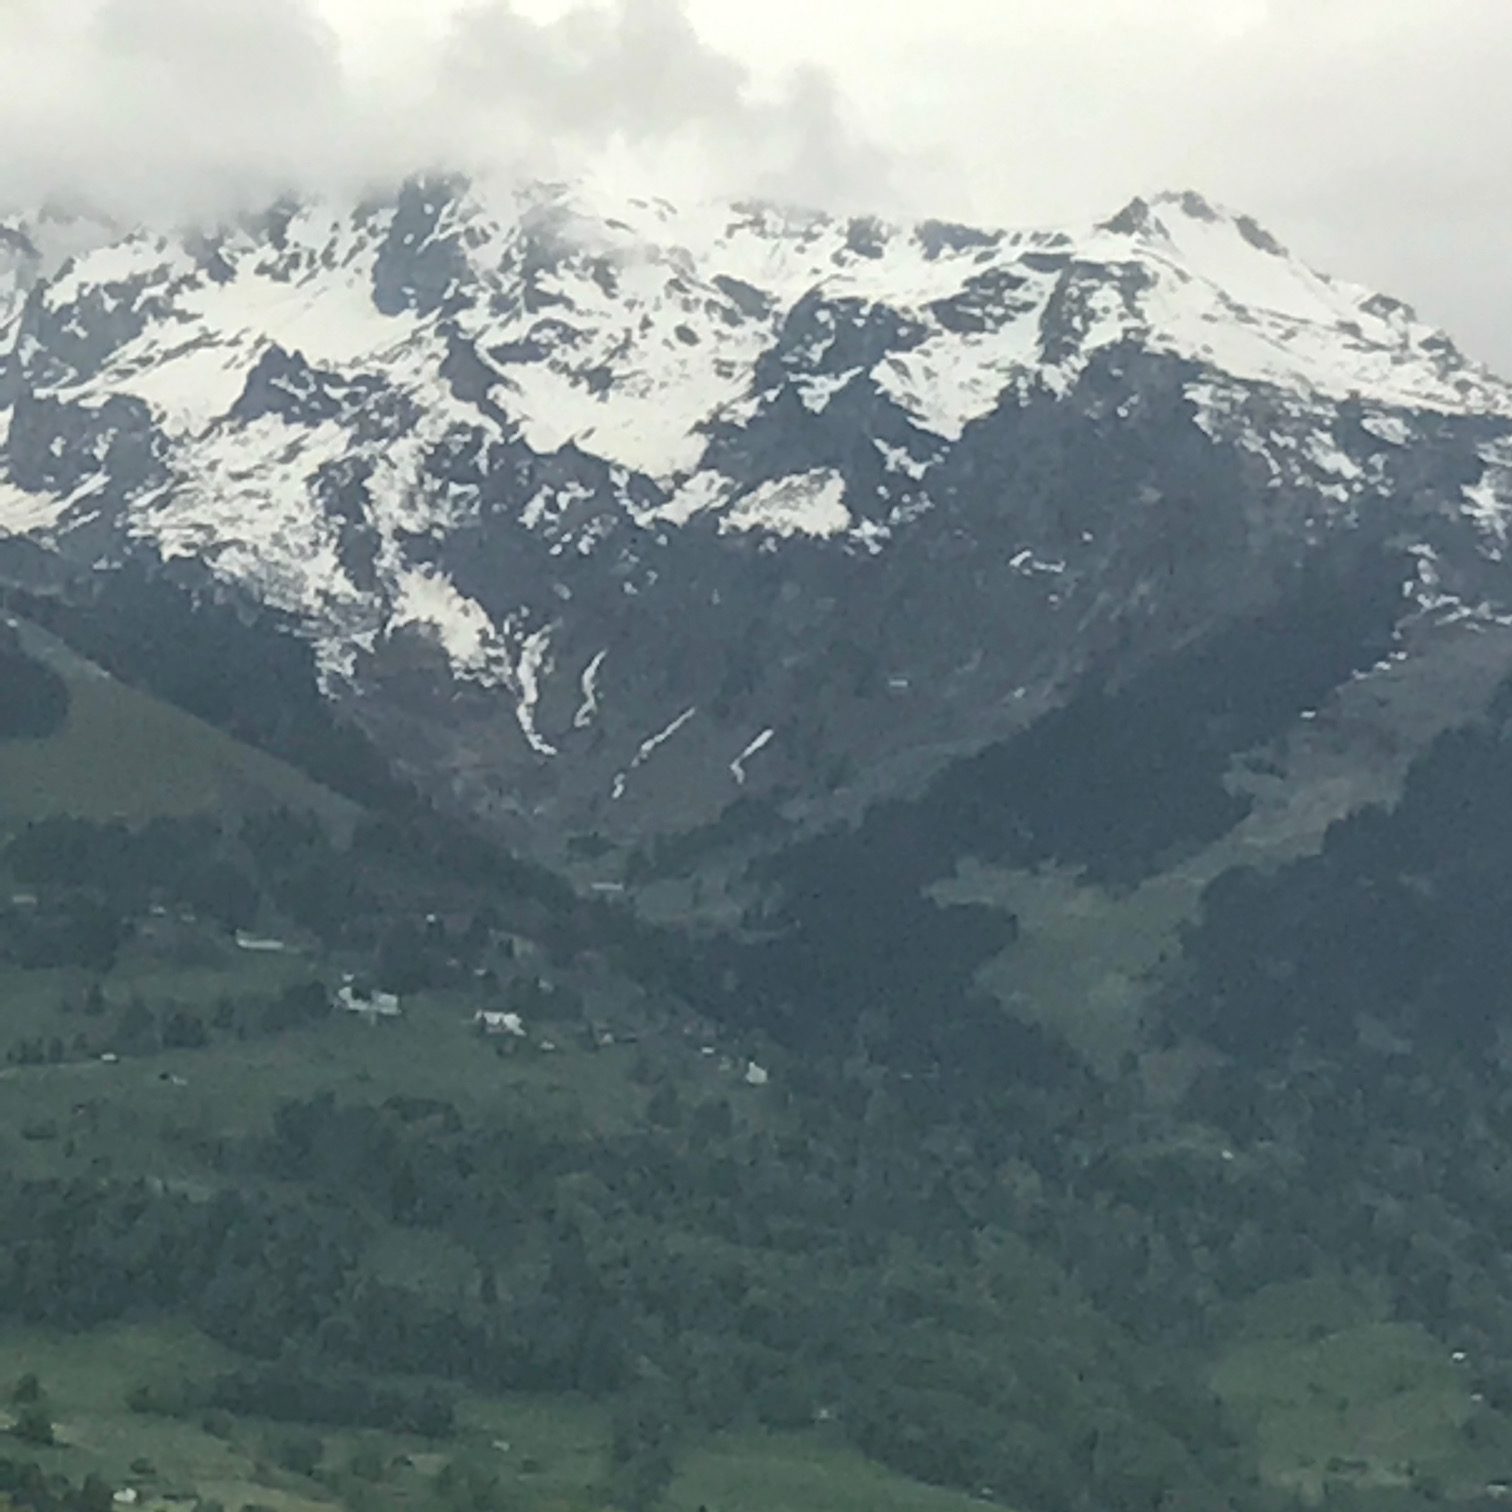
126,755
148,1114
1334,1391
547,1455
1325,1386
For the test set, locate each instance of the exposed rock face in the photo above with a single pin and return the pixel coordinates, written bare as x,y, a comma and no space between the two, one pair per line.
606,515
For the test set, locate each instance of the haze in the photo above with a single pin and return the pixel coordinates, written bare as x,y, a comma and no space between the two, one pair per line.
1370,135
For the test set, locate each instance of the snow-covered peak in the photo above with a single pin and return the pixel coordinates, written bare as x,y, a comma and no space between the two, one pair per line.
1226,292
554,436
682,296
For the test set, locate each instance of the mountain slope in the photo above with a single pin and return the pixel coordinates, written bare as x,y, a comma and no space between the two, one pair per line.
120,753
604,515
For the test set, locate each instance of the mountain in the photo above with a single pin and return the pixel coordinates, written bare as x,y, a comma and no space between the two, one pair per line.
1046,700
603,515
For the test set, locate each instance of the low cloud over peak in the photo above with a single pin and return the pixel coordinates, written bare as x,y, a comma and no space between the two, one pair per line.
196,107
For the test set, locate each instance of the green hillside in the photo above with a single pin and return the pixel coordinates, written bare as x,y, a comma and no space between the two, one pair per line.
168,1117
286,1226
124,754
529,1452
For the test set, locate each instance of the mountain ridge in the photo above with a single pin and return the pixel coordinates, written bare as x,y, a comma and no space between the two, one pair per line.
613,488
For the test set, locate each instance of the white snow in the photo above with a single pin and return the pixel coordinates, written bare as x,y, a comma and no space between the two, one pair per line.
1391,429
1028,565
187,386
953,379
648,748
114,263
1325,454
243,504
589,707
811,504
1489,501
817,389
426,596
633,342
534,651
23,513
896,459
738,766
703,491
1209,245
330,320
1489,507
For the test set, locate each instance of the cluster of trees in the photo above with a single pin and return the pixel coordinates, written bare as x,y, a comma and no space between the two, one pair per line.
29,1487
75,929
700,1276
1006,1289
1400,920
693,1272
137,1027
98,884
375,891
1113,785
302,1391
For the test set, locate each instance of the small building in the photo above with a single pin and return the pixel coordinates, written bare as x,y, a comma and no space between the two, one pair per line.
371,1006
756,1076
498,1024
259,944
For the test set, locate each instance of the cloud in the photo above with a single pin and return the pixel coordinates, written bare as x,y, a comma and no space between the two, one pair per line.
1371,135
192,107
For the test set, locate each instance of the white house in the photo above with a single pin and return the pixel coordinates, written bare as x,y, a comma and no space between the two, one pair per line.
258,944
756,1076
371,1007
496,1022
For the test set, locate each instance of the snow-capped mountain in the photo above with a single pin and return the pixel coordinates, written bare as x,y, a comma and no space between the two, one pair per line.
609,512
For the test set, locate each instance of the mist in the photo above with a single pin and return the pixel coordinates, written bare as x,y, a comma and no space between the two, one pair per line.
1370,135
183,109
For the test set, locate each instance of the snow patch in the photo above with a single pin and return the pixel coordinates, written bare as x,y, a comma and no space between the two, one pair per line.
738,766
896,460
648,748
588,710
1388,428
1488,503
815,390
426,596
527,675
23,513
810,504
703,491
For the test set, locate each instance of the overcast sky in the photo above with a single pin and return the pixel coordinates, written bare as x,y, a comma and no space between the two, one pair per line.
1373,136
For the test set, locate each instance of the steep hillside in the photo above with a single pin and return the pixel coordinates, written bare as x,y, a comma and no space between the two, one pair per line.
603,516
116,752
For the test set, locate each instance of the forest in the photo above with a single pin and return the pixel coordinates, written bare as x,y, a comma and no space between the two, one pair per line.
938,1235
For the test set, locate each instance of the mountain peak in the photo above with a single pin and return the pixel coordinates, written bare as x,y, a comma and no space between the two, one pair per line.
556,421
1162,216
